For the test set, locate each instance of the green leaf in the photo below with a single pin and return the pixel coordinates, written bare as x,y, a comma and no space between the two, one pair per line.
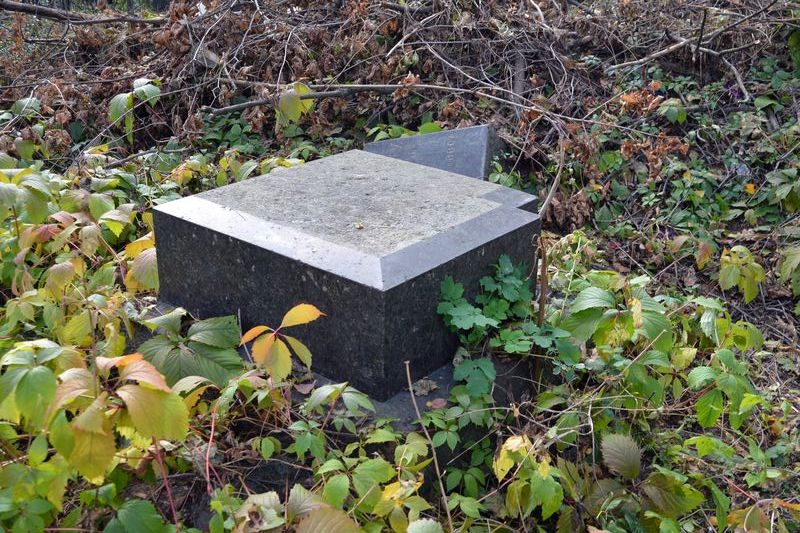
34,392
701,376
221,332
99,204
622,455
729,277
26,106
591,298
709,408
176,362
671,497
336,490
583,324
451,290
300,350
155,413
139,516
370,473
789,263
78,329
119,106
658,329
146,91
424,525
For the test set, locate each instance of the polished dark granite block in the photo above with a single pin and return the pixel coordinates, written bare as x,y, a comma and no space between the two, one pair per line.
366,238
467,151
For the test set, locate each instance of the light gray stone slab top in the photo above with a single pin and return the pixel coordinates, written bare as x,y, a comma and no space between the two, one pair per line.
359,215
373,203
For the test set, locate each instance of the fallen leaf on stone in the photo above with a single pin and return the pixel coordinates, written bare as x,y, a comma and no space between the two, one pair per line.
424,387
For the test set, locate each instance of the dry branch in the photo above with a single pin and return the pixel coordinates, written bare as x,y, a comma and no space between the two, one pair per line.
69,17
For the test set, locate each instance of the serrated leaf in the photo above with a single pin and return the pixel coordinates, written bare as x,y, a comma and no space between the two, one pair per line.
278,362
326,520
300,314
119,106
252,333
671,497
155,413
709,408
701,376
622,455
143,372
139,516
58,276
300,349
145,270
302,502
591,298
424,525
147,92
192,359
336,490
99,204
221,332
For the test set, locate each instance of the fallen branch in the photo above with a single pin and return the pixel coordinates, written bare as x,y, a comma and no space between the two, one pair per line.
66,16
646,59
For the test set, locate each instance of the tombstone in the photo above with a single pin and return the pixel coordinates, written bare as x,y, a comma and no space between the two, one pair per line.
467,151
365,238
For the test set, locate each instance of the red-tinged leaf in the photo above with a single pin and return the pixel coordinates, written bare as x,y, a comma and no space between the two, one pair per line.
144,372
300,349
252,333
261,348
75,382
105,364
301,314
64,218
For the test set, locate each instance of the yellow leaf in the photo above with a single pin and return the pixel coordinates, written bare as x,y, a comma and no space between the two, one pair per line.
58,276
300,349
252,334
502,463
139,245
92,452
262,347
301,314
279,360
750,188
155,413
635,305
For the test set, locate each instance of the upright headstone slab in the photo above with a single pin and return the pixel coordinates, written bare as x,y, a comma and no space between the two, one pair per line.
467,151
366,238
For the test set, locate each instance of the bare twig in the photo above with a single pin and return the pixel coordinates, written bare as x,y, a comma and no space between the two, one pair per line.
430,443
